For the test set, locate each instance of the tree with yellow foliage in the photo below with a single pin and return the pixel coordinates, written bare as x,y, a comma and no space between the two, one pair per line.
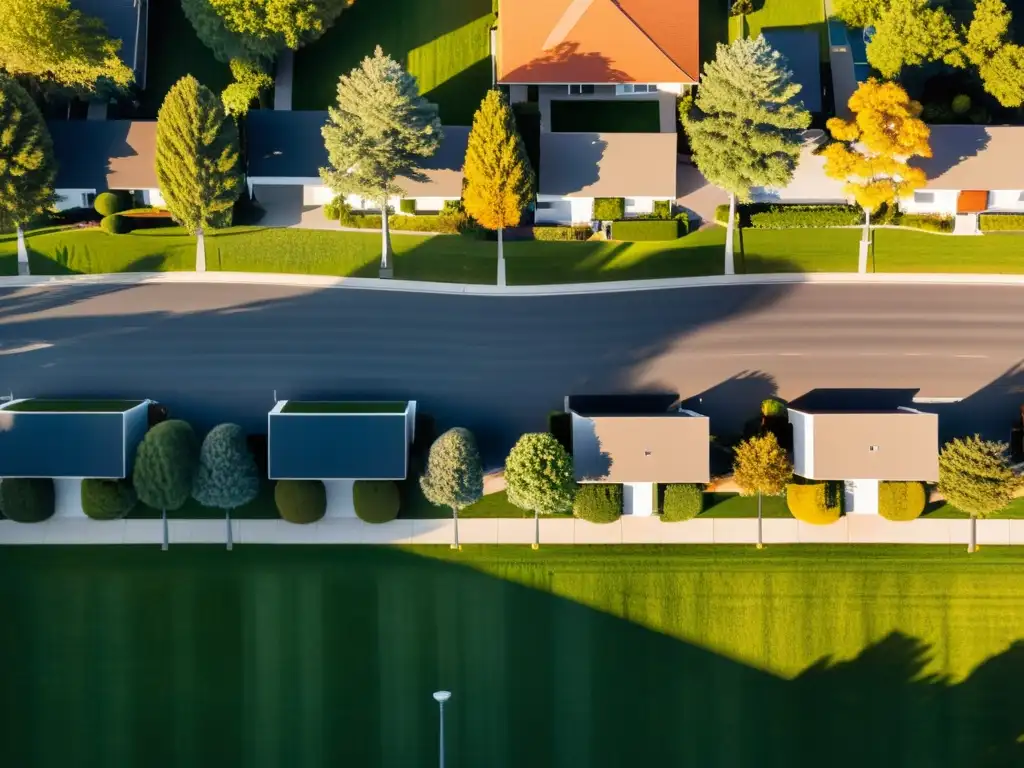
499,180
872,150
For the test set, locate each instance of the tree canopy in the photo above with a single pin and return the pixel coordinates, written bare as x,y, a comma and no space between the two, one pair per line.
107,499
859,13
227,477
761,466
249,80
1000,62
872,149
198,163
975,475
499,180
454,476
539,475
910,33
27,165
165,465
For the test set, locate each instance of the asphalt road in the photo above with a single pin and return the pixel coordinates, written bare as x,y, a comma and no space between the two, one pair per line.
498,365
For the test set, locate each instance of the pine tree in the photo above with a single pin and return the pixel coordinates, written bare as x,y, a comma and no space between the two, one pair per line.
499,180
744,128
454,476
911,33
27,165
976,478
197,159
761,468
52,42
380,130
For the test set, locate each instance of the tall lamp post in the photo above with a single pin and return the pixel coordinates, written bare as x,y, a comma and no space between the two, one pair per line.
441,697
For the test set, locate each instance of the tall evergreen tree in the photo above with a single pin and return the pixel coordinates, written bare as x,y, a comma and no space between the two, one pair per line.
976,478
499,180
58,45
379,131
27,165
197,159
454,476
745,128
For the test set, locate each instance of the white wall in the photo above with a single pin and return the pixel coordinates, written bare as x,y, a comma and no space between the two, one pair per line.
72,198
136,424
1006,200
67,498
423,204
638,499
860,497
575,210
943,201
635,205
803,443
339,499
316,194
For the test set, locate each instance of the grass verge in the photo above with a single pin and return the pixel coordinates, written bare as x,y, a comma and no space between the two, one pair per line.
732,505
898,250
782,13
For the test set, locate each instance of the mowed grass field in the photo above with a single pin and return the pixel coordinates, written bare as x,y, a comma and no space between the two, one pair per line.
307,656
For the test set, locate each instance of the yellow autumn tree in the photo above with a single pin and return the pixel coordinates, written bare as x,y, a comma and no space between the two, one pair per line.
871,151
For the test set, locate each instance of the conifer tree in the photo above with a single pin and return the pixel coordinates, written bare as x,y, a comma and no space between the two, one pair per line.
975,477
27,165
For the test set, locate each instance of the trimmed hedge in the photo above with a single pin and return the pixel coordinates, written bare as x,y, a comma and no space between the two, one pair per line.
27,499
609,208
772,408
682,501
407,205
805,216
449,224
901,502
115,224
1001,222
598,502
107,499
109,203
637,230
376,501
300,501
815,503
929,222
561,234
663,209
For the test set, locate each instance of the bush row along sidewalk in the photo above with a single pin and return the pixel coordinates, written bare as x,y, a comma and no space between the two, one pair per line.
853,529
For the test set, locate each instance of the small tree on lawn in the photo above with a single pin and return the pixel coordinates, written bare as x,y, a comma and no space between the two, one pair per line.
499,180
27,165
744,128
165,467
762,468
227,477
198,163
539,477
380,130
454,476
976,478
871,150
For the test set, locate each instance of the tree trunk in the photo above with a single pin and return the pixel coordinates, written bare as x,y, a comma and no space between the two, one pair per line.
22,252
455,540
501,257
730,266
200,251
760,541
972,543
864,247
536,530
227,517
386,270
166,542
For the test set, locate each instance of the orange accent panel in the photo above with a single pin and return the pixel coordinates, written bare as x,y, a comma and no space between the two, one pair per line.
972,201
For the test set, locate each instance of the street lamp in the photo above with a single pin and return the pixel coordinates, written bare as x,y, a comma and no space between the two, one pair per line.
441,697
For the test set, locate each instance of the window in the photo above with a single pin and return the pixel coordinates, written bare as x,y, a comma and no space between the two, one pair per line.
544,206
579,90
924,197
630,88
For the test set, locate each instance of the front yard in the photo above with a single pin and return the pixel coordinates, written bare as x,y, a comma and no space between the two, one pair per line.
782,13
902,251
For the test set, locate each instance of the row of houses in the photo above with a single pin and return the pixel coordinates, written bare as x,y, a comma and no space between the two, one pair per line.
637,446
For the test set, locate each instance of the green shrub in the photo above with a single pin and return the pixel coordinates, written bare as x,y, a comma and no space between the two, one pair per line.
300,501
332,210
107,499
929,222
741,7
642,230
27,499
116,224
773,408
805,216
598,502
407,205
562,234
452,207
815,503
609,208
376,501
684,222
663,209
961,104
901,502
682,501
109,203
1001,222
722,215
450,224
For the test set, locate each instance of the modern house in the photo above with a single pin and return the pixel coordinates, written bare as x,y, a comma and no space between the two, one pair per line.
126,21
863,448
286,152
638,449
96,156
577,168
599,49
318,440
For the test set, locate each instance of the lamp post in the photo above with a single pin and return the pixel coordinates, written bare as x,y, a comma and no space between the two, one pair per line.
441,697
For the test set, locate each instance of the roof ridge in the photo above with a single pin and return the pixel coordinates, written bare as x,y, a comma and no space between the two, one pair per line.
642,31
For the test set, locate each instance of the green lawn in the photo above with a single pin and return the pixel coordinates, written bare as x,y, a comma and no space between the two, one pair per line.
734,505
1015,511
608,116
445,44
9,254
714,28
782,13
174,51
798,250
55,251
686,656
902,251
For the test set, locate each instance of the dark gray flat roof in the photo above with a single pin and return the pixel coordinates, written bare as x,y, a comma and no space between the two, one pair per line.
337,446
59,444
800,47
120,17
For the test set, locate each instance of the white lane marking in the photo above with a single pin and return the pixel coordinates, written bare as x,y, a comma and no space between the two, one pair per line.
26,348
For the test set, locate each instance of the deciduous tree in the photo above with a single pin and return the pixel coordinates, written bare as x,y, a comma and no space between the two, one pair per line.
250,81
165,467
761,468
380,130
909,33
227,477
745,126
976,478
27,165
539,477
859,13
1000,62
454,476
58,45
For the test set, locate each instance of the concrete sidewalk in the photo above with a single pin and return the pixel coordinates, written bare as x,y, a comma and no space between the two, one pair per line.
853,529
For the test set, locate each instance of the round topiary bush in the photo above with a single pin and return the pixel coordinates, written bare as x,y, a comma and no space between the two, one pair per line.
961,104
27,499
107,499
812,504
115,224
301,501
683,501
376,501
598,502
901,502
109,203
772,408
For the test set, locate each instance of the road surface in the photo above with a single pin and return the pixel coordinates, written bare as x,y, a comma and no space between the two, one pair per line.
498,364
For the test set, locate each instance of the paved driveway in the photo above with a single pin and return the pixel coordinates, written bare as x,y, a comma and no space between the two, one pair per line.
695,194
